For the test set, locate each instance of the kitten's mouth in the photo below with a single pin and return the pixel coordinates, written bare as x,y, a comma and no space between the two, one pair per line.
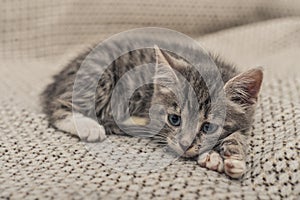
192,151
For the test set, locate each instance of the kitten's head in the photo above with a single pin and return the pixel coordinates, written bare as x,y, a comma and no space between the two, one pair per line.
196,117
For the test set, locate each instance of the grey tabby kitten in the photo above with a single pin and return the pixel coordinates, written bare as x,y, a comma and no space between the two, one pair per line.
240,89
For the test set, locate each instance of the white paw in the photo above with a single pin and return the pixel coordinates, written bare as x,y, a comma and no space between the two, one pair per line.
84,127
89,130
234,168
211,160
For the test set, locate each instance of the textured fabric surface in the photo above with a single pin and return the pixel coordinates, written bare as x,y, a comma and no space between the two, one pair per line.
38,37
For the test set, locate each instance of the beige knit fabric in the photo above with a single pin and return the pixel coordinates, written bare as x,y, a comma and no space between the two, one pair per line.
38,37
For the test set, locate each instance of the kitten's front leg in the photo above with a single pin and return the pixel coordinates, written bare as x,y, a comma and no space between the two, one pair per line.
233,151
230,156
85,128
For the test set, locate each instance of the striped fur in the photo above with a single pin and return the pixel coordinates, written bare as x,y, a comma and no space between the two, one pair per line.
240,91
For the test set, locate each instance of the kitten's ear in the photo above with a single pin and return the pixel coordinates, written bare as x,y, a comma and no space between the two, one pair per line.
165,65
165,58
244,88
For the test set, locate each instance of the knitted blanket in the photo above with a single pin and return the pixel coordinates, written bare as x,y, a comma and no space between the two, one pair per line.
38,37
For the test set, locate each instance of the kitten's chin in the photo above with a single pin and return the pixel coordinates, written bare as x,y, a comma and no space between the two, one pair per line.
191,152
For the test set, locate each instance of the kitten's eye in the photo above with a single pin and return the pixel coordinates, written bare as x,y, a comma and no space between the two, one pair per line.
209,128
174,120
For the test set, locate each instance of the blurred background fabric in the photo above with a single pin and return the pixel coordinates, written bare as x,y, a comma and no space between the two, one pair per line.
37,38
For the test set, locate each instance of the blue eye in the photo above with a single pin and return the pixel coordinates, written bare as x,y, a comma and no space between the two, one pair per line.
174,120
209,128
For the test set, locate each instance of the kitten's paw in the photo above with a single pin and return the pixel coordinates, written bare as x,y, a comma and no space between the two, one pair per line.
234,168
234,163
90,131
230,149
211,160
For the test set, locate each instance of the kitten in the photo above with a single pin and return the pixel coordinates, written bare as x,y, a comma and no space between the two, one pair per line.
182,134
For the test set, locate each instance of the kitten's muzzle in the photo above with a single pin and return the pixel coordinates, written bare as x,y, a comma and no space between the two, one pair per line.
183,148
190,150
184,145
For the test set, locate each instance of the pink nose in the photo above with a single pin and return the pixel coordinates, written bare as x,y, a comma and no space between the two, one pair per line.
184,144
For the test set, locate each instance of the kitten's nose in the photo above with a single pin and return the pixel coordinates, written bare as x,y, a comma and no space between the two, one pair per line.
184,144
